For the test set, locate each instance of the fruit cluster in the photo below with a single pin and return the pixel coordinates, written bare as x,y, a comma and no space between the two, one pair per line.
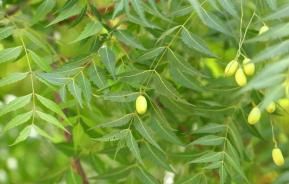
240,70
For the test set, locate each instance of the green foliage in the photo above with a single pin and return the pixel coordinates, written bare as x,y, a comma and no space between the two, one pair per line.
71,71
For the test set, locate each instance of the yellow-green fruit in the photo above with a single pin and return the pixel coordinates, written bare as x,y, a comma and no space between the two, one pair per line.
249,68
284,103
231,68
271,107
263,29
141,104
278,157
254,116
240,77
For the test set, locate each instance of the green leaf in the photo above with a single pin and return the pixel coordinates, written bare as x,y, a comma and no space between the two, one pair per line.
40,62
36,40
44,133
15,104
137,6
228,5
50,119
165,133
133,146
85,85
210,128
151,54
272,51
54,78
275,32
157,157
18,120
10,54
195,179
135,78
23,135
116,173
108,59
72,177
75,91
114,136
43,9
118,8
163,87
208,157
6,31
127,39
97,76
193,41
49,104
168,32
117,122
183,78
235,166
12,78
90,29
222,174
179,62
66,13
282,12
121,96
145,132
209,140
145,177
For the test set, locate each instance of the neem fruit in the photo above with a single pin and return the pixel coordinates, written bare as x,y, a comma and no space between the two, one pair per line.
284,103
278,157
254,116
263,29
141,104
240,77
271,107
249,67
231,68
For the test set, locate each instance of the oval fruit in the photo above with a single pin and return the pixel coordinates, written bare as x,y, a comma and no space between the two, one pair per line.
141,104
249,68
284,103
231,68
263,29
271,107
240,77
278,157
254,116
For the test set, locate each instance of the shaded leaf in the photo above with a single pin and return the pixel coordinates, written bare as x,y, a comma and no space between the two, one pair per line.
195,42
18,120
127,39
118,122
108,59
16,104
40,62
49,104
133,146
6,31
10,54
209,140
23,135
114,136
12,78
50,119
90,29
66,13
43,9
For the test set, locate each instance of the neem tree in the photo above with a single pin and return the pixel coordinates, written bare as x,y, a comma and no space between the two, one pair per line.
144,91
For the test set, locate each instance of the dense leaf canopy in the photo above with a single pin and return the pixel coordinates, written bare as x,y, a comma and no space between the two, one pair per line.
213,75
